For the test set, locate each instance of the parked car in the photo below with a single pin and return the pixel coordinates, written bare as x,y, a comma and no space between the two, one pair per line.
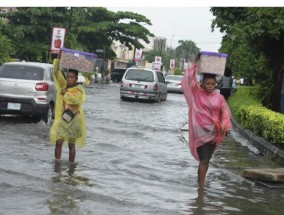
143,84
116,74
27,88
174,83
81,79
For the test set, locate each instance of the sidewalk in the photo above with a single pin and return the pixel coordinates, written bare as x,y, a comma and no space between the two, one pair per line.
239,156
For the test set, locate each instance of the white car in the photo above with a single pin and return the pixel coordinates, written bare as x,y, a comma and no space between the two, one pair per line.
81,79
27,88
144,84
174,83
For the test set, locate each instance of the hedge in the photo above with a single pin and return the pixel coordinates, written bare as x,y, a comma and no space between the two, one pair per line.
263,122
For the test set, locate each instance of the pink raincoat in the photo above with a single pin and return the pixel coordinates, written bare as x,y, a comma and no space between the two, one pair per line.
208,115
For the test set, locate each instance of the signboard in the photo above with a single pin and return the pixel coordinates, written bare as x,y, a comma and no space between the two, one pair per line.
138,55
156,66
158,59
172,63
57,39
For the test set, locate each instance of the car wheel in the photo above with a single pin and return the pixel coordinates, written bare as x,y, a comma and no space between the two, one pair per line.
49,116
36,119
122,98
165,97
158,98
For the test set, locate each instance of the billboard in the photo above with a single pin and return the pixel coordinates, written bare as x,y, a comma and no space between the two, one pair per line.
172,63
57,39
138,55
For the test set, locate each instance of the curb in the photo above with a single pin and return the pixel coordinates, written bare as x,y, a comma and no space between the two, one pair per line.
267,149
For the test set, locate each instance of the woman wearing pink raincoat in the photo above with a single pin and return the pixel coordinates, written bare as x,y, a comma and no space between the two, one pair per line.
209,118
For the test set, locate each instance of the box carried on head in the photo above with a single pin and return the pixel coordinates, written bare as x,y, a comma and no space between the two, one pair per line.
74,59
212,62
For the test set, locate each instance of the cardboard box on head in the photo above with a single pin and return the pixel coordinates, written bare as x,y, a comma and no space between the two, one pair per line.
212,62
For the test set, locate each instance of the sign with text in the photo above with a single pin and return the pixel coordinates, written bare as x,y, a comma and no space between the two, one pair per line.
158,59
156,66
138,55
57,39
172,63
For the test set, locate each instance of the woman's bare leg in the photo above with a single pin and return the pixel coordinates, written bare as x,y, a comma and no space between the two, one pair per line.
202,170
58,149
72,152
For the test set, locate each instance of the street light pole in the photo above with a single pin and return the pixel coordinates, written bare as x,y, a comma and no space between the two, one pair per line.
171,41
171,52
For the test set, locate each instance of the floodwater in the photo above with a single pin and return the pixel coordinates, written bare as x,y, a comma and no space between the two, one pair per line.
135,161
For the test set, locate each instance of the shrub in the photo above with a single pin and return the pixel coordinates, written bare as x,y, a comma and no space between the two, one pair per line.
260,120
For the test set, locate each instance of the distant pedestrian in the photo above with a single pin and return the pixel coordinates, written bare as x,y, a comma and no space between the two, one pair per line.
69,124
226,83
209,118
234,86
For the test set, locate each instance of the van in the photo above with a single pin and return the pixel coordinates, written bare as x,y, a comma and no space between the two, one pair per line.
116,74
144,84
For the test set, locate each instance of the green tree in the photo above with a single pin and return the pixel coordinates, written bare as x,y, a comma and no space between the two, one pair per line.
187,50
257,34
5,49
87,29
6,46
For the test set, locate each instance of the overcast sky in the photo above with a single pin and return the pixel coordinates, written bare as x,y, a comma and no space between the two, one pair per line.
174,20
180,23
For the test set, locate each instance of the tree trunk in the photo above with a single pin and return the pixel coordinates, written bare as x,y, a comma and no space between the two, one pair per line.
274,51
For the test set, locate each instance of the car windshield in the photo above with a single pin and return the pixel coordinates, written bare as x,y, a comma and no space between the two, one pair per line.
21,72
174,78
139,75
118,71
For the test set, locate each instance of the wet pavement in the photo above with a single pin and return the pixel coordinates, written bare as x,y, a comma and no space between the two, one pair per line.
136,161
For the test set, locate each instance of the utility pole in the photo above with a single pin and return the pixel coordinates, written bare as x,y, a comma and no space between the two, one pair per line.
171,41
171,54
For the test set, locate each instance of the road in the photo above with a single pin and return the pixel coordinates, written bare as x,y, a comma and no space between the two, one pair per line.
135,162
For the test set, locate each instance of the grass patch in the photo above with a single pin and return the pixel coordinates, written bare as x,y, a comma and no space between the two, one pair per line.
242,96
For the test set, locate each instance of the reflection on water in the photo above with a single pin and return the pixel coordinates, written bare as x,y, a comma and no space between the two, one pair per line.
135,162
65,194
202,205
66,174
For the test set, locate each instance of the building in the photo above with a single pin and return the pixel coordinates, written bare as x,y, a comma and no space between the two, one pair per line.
7,9
125,56
160,44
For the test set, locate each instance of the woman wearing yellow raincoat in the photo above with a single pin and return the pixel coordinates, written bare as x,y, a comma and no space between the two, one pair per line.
70,98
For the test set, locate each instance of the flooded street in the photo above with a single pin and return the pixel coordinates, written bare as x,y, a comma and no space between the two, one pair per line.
135,161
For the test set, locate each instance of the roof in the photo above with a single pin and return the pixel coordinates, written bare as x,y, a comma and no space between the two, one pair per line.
38,64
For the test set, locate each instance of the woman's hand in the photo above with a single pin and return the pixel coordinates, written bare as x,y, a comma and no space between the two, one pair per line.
63,91
56,66
196,58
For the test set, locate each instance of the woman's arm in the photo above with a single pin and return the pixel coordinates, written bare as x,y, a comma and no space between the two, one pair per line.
58,74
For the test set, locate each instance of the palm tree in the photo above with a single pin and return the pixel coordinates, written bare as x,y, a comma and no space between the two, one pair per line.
187,50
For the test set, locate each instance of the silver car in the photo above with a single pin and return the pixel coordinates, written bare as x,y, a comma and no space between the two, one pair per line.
174,83
27,88
143,84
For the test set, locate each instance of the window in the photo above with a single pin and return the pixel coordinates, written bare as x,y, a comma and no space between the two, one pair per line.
139,75
21,72
160,77
175,78
4,10
50,75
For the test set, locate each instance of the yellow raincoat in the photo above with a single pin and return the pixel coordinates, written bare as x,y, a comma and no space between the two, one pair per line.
73,99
